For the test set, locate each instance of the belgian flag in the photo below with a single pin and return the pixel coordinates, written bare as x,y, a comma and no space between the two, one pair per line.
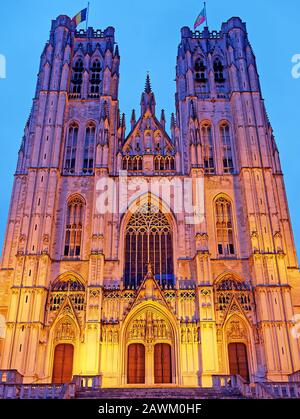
80,17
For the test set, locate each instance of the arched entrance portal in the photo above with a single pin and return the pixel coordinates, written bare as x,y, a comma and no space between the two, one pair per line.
238,360
63,364
162,364
150,350
136,364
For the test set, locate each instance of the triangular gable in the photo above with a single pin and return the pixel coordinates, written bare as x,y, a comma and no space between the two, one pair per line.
66,309
149,290
154,125
234,307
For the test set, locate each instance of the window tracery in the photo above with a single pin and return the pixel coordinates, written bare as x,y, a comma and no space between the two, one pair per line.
162,164
227,148
133,163
207,141
77,79
95,79
74,225
71,149
224,227
89,149
148,240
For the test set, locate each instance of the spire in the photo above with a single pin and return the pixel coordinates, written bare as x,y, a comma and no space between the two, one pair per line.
148,98
117,54
119,117
133,119
123,122
163,118
148,84
110,45
173,121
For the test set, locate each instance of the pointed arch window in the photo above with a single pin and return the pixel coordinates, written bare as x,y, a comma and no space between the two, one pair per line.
224,227
126,163
200,71
95,79
207,141
77,78
74,226
89,149
148,239
164,163
71,149
133,164
219,71
227,148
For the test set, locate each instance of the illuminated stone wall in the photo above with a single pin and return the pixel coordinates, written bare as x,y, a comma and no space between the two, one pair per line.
235,265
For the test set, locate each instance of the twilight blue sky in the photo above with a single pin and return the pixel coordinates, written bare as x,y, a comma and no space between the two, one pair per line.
148,33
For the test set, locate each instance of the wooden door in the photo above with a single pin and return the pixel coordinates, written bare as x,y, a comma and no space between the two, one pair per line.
162,364
238,360
63,364
136,364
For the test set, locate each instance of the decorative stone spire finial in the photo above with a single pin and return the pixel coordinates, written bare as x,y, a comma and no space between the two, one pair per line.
148,84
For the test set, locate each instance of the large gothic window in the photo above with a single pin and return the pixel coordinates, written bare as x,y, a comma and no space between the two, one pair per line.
71,149
148,240
224,227
207,141
89,149
227,148
74,224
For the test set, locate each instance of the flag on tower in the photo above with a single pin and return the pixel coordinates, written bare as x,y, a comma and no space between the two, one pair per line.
81,16
201,18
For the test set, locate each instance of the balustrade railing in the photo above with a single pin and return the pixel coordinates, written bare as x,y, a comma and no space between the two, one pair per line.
295,377
85,382
34,391
42,391
284,390
12,387
10,376
265,390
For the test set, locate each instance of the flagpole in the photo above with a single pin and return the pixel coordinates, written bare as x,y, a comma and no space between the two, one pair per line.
205,14
87,16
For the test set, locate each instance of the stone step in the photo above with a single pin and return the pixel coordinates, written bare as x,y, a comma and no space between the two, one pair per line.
155,393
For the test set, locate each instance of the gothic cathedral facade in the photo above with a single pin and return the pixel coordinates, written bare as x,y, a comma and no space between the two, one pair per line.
143,257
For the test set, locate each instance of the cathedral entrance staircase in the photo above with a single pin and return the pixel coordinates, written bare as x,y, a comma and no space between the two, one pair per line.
159,393
90,387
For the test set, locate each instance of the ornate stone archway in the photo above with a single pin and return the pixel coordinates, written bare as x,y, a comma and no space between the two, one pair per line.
150,327
239,346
